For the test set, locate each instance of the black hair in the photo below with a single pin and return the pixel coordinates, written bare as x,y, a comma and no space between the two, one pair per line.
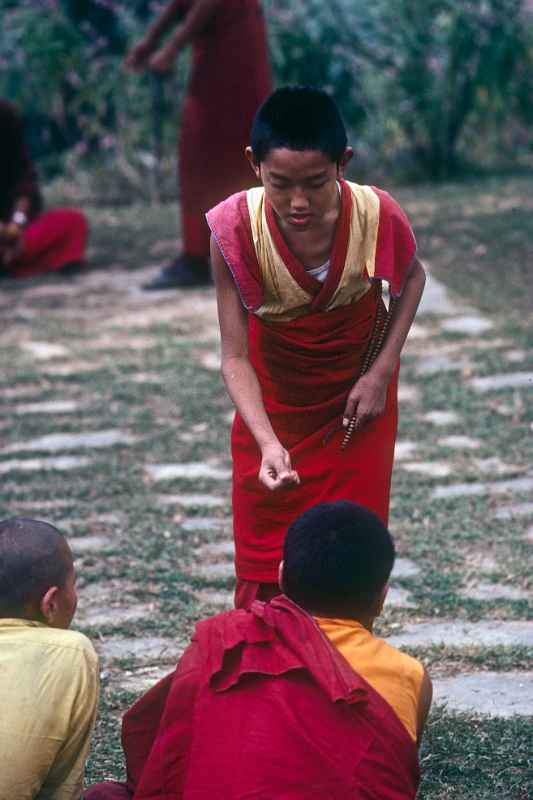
298,118
33,557
337,558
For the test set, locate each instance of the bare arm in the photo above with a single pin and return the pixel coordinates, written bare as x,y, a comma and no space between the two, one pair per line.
196,19
368,396
241,380
424,704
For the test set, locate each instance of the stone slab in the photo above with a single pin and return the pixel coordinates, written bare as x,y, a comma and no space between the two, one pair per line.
210,361
437,300
431,469
486,633
217,599
441,418
515,356
187,471
404,450
404,568
42,351
495,591
398,598
469,325
496,694
517,510
203,524
472,489
429,365
100,616
90,544
55,442
510,380
459,442
224,549
140,680
60,464
50,407
407,393
142,648
495,467
215,572
191,500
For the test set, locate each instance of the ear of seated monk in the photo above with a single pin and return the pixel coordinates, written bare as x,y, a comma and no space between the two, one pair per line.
263,704
48,674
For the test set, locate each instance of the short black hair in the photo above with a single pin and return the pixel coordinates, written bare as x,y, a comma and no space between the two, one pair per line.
33,557
298,118
337,557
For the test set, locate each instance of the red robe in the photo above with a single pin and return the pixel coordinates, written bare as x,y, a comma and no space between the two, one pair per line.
306,368
262,706
230,78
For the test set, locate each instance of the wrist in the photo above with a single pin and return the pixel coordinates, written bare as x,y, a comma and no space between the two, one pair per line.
19,218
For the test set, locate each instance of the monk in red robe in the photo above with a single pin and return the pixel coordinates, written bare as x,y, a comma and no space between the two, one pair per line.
298,266
230,77
32,241
263,705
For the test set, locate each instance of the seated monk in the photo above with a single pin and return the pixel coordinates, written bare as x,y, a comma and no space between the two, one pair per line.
48,675
293,699
32,241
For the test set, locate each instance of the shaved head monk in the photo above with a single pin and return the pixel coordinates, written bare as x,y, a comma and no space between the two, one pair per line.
292,699
49,675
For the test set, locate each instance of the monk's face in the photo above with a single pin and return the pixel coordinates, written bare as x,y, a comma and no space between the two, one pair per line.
302,187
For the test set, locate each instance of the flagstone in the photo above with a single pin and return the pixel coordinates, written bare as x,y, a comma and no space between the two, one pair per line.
470,325
428,365
143,648
214,550
210,361
215,572
404,568
407,393
218,599
404,449
48,407
90,544
442,418
187,471
45,505
45,350
398,598
517,510
495,467
60,463
471,489
495,591
191,500
140,680
432,469
529,535
515,356
417,331
72,368
485,633
203,524
436,299
54,442
26,390
496,694
459,442
509,380
98,616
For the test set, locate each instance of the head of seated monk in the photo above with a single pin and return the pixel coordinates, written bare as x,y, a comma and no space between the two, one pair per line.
37,576
337,560
298,151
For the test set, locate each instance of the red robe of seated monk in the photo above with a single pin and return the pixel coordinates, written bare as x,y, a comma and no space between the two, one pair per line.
262,706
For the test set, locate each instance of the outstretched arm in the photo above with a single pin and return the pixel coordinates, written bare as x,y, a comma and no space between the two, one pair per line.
198,16
368,396
241,380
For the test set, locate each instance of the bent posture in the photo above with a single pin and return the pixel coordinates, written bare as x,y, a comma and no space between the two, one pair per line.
32,241
292,699
48,674
298,266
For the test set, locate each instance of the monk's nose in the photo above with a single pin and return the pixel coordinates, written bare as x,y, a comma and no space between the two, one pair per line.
299,201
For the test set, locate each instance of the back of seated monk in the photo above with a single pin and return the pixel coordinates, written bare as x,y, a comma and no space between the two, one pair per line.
263,706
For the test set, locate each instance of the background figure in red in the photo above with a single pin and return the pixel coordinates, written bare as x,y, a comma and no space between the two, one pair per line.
32,242
230,77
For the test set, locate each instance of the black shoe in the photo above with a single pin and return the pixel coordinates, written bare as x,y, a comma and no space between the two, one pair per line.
185,272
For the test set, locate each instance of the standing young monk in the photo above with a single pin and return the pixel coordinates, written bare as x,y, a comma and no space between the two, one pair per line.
230,77
297,265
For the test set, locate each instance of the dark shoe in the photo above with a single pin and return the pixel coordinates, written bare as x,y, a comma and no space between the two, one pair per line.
185,272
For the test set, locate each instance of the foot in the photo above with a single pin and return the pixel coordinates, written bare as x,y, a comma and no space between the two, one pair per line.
185,272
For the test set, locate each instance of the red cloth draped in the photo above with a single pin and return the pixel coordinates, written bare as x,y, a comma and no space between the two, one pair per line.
230,78
50,241
262,706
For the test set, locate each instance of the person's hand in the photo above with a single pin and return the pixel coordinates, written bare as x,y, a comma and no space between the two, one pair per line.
10,243
164,58
137,58
366,399
276,470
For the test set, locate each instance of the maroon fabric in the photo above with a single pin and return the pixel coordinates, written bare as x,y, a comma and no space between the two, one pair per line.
247,592
108,790
52,240
396,244
230,78
262,706
17,173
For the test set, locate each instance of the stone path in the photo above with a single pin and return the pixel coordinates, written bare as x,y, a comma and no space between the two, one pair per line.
196,491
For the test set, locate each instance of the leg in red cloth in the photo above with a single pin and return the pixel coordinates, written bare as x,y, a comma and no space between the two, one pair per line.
108,790
53,240
248,591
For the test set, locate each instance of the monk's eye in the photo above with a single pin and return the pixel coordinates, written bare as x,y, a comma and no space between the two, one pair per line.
279,185
317,184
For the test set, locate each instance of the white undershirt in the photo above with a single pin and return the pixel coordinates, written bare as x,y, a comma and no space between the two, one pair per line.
321,272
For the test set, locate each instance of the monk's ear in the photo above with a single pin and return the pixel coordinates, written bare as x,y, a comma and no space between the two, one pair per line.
49,605
346,157
253,163
280,577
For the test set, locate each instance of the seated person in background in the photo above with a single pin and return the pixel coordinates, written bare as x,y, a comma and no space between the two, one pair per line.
48,674
264,705
32,241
